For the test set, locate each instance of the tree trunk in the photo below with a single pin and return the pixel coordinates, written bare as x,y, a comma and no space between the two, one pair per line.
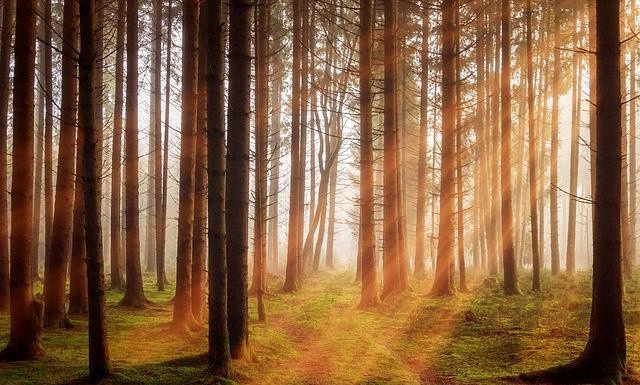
533,198
25,337
460,153
508,257
161,230
8,15
117,280
575,158
182,310
99,365
48,130
134,292
219,355
261,135
237,183
200,192
442,284
291,276
57,256
553,200
419,270
369,293
391,266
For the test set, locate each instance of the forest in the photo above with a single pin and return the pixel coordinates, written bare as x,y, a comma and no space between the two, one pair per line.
319,192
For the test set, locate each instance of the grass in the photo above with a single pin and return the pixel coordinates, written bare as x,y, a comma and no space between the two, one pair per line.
318,336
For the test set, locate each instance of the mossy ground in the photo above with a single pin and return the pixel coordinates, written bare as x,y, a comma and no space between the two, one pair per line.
318,336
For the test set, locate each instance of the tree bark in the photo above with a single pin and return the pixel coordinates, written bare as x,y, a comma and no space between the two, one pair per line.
117,279
219,354
391,264
533,190
508,255
57,256
369,292
99,364
237,182
182,310
442,284
291,277
134,292
553,193
25,336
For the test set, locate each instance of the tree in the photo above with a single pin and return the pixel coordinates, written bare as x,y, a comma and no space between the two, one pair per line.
57,255
533,199
237,181
198,266
508,254
134,294
419,268
8,14
117,280
48,129
553,198
26,313
442,284
161,228
291,277
369,293
182,311
604,357
391,265
261,137
219,354
99,365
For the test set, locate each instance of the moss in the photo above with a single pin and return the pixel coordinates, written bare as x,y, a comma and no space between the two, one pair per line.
318,336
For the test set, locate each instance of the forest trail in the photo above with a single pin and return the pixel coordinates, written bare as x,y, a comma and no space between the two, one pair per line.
317,336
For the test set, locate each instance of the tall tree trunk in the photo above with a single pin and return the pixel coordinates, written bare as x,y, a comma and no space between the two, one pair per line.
369,293
391,266
161,228
460,153
99,364
291,276
575,158
198,266
593,134
508,257
553,189
533,198
261,135
8,15
237,182
48,129
134,292
442,284
26,313
154,116
494,121
219,355
182,310
157,131
419,270
57,255
304,106
117,280
604,357
633,170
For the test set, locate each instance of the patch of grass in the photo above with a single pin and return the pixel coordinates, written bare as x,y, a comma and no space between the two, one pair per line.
318,336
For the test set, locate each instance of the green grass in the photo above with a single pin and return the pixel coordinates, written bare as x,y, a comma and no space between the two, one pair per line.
318,336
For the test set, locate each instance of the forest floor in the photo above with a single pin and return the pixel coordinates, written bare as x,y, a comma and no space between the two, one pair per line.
318,336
